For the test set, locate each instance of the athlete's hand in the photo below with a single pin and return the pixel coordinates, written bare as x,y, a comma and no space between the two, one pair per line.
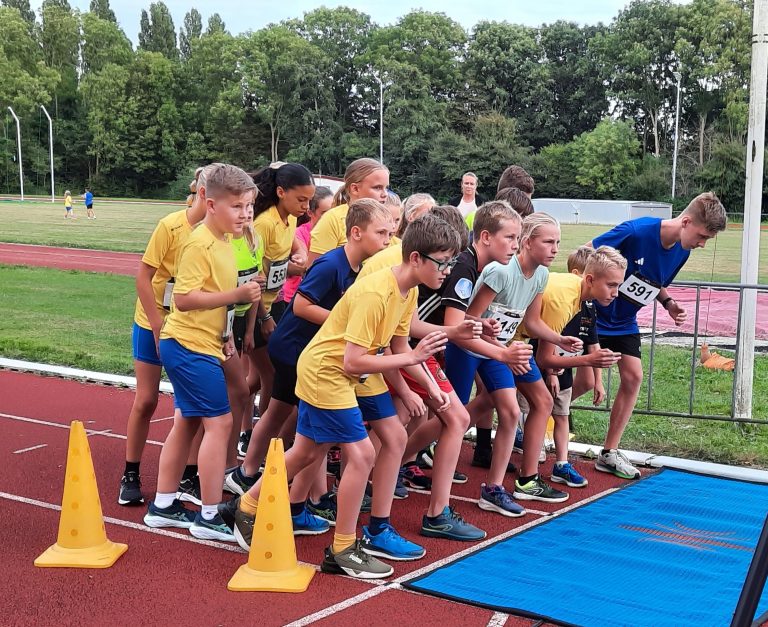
553,385
249,292
677,313
229,348
598,395
248,343
442,398
517,355
570,344
414,404
603,358
467,330
261,279
431,343
267,328
491,327
295,268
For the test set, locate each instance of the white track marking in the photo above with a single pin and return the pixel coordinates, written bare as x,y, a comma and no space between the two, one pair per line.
162,419
30,448
499,619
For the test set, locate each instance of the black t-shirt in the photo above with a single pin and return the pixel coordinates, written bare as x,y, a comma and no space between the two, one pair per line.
582,325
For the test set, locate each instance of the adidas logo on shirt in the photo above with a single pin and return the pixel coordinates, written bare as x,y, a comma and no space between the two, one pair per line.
640,261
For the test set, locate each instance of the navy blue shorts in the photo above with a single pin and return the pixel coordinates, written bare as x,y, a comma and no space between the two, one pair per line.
144,346
461,367
199,387
533,375
330,425
376,407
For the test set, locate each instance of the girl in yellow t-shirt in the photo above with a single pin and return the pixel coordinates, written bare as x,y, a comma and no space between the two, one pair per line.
68,205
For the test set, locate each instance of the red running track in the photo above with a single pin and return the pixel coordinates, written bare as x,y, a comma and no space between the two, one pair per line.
70,258
172,576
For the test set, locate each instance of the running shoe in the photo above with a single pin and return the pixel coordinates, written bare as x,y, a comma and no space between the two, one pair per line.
130,489
307,524
459,477
189,491
325,508
367,503
415,478
175,515
427,455
537,490
450,526
243,531
391,545
483,459
333,463
401,490
213,529
543,454
227,511
494,498
617,463
518,448
243,442
237,483
568,475
355,562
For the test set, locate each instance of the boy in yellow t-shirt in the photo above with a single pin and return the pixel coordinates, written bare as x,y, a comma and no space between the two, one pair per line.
68,213
366,332
196,338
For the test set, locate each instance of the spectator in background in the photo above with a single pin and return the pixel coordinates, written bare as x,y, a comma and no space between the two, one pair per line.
515,176
469,200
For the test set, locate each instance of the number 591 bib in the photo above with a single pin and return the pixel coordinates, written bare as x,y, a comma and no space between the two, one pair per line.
639,290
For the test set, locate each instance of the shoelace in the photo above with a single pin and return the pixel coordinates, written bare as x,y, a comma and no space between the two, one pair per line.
454,515
416,471
623,458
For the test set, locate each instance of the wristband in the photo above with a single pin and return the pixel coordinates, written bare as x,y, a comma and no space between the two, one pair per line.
666,301
265,318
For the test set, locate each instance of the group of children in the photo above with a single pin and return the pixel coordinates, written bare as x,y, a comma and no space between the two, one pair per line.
87,201
364,330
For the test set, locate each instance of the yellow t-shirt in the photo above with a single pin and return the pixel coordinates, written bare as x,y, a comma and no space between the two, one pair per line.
395,241
207,264
277,239
331,231
560,301
162,253
392,256
369,314
68,201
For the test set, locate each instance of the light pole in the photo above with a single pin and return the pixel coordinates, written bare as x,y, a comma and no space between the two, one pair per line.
678,77
18,147
381,117
50,149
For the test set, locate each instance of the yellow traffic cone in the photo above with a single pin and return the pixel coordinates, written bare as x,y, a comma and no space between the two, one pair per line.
272,565
82,541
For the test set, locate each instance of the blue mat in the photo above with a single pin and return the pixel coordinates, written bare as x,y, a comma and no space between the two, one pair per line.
672,549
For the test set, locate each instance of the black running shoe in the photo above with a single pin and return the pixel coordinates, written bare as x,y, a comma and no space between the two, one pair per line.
333,465
243,442
227,511
189,491
482,459
130,489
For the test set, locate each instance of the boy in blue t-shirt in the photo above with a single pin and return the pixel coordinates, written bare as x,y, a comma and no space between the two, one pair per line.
88,200
655,251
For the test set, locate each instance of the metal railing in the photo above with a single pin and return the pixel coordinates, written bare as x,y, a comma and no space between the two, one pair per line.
648,410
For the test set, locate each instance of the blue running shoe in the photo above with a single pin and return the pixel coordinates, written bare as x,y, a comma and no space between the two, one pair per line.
518,448
213,529
307,524
568,475
391,545
495,498
450,526
175,515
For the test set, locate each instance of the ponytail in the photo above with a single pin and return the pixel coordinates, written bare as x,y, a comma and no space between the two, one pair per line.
278,174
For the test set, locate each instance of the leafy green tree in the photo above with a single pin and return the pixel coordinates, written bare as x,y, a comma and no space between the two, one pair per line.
190,32
554,170
157,33
606,157
102,10
27,14
103,42
215,25
60,43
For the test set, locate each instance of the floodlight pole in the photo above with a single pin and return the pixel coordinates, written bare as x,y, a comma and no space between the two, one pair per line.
50,149
381,117
678,77
18,147
750,243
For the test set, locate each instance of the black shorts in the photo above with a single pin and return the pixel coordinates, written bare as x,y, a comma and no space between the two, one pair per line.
624,344
284,385
89,206
277,311
238,331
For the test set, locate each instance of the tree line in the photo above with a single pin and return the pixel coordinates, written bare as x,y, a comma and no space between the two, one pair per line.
589,110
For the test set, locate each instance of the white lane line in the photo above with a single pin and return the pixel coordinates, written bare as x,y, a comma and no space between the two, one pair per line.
47,423
161,419
499,619
29,448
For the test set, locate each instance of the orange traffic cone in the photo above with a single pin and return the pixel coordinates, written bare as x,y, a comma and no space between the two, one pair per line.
82,541
272,565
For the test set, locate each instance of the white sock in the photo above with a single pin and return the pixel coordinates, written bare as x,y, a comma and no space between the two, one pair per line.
163,500
561,464
208,511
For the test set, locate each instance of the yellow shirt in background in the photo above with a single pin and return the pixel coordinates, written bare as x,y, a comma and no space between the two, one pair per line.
392,256
369,314
560,301
277,239
207,264
68,201
331,231
162,253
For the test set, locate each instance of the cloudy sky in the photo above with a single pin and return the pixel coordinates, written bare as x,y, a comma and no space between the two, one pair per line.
241,16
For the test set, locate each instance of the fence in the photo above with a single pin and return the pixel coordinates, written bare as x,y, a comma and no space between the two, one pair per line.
648,409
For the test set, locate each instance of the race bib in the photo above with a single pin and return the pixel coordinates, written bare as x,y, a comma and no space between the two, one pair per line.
230,321
243,276
277,274
639,290
509,319
168,294
364,377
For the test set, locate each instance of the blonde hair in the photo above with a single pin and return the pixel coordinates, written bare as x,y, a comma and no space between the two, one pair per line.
577,260
533,222
411,204
490,216
363,211
603,260
198,180
707,211
228,179
453,216
356,172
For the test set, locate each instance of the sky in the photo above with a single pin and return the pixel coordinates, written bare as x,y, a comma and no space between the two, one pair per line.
243,15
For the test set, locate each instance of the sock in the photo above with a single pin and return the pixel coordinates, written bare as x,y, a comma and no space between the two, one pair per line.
605,451
190,470
342,541
483,439
131,467
523,480
248,504
245,475
376,526
208,512
297,508
163,500
561,464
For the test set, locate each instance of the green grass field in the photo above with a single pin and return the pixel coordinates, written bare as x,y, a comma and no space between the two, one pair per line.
126,226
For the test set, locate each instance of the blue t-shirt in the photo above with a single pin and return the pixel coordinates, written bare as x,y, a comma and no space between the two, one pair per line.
324,284
88,198
639,241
